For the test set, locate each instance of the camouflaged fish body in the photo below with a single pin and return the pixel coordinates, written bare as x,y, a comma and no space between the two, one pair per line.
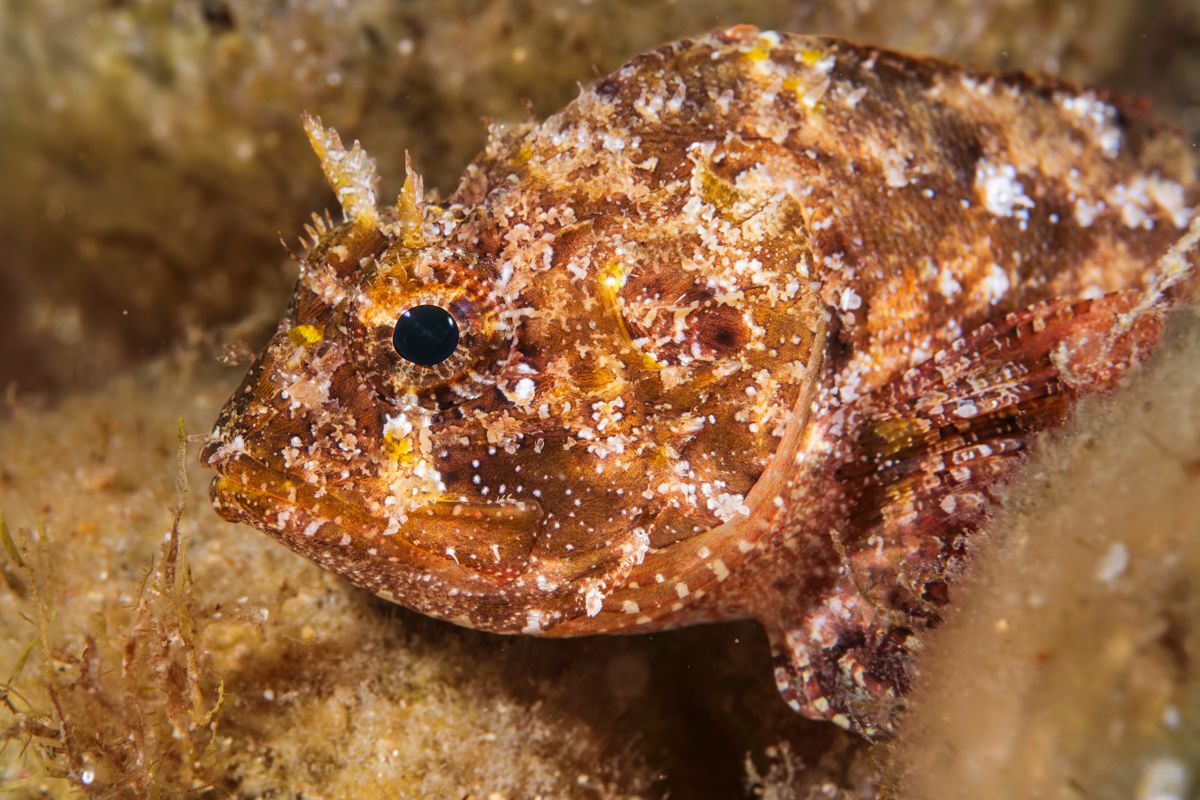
753,327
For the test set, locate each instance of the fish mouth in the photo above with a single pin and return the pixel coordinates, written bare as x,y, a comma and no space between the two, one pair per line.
463,544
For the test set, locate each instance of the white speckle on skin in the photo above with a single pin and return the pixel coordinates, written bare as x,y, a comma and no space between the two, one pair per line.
1100,118
1139,198
849,300
947,284
855,97
1086,212
727,506
966,410
949,504
523,392
995,284
1003,194
593,599
533,622
630,607
614,143
1114,562
894,169
681,589
397,427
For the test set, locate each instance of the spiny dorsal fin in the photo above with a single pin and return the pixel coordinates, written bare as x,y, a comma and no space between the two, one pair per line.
410,214
351,173
315,231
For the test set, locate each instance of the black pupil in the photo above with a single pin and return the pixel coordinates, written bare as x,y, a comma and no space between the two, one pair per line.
425,335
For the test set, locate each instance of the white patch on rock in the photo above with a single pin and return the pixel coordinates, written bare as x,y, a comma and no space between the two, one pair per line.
1164,778
1113,563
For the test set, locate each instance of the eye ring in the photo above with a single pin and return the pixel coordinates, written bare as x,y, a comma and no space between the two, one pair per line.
426,335
453,286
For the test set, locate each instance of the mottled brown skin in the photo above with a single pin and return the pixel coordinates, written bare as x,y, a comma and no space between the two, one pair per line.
756,326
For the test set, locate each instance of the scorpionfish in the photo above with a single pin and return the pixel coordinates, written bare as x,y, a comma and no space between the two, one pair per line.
757,326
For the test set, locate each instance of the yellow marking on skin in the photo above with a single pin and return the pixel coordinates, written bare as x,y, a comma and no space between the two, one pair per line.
760,52
393,280
305,335
523,154
716,191
611,281
650,362
801,90
612,278
810,58
661,458
398,446
897,434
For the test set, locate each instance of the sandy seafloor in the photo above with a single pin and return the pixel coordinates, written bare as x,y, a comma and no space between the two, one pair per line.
152,160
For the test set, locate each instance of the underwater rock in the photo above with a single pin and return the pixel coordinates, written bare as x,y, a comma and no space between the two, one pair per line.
1071,666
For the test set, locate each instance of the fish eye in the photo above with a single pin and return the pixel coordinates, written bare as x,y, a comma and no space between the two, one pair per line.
426,335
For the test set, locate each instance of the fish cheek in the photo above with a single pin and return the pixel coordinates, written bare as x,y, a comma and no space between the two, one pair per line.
491,539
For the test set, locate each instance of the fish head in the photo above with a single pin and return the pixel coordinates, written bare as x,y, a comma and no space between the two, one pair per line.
337,444
516,437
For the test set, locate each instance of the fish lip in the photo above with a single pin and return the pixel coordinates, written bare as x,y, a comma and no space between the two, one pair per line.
241,477
423,581
251,476
220,455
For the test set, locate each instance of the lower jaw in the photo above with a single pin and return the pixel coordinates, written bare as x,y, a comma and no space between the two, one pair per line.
348,541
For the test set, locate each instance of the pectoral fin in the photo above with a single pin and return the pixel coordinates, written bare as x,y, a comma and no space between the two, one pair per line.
915,469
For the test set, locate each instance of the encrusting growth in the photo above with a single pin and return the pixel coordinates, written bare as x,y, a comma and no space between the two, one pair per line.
756,326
